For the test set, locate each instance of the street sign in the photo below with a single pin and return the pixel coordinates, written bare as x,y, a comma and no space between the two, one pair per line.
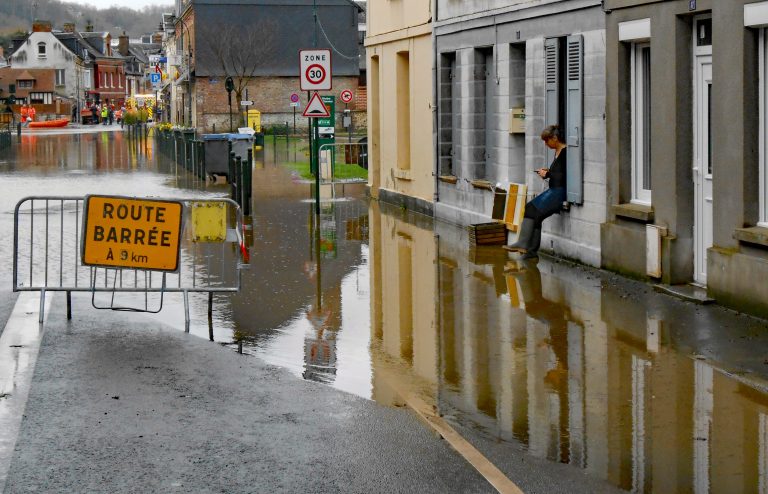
326,123
295,105
155,77
246,103
315,108
346,96
315,70
294,98
131,233
154,58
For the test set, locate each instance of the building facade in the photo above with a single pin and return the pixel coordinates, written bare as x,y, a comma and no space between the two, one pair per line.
42,50
256,42
400,103
686,151
498,61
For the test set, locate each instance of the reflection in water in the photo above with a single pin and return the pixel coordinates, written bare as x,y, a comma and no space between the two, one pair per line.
558,359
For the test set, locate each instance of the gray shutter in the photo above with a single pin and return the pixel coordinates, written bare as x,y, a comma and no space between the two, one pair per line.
574,131
552,78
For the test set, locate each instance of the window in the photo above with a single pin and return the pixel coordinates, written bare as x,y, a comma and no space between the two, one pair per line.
403,106
40,98
87,79
25,84
41,50
59,77
641,123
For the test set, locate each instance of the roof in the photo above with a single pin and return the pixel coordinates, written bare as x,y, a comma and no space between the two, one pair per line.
25,76
282,27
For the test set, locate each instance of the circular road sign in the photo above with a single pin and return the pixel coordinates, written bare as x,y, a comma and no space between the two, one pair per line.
294,98
315,73
346,96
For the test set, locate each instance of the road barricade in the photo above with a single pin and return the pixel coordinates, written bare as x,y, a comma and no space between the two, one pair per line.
109,245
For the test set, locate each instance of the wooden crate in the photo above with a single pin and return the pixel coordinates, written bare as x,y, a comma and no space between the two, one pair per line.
487,234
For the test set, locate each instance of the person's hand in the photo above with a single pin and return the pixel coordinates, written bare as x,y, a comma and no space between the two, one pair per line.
542,172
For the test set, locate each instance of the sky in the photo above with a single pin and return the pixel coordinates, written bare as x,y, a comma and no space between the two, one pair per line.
134,4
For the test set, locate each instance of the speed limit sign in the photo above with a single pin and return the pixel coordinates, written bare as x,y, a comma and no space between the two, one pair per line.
315,70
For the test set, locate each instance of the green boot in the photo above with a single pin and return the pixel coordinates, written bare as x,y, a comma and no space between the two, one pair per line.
524,237
533,249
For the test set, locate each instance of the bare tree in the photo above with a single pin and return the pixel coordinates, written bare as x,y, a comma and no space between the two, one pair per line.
240,51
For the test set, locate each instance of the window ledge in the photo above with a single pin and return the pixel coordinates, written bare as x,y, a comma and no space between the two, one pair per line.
482,184
403,174
754,235
450,179
636,212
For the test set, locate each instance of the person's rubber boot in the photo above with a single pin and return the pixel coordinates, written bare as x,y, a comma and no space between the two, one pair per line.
524,238
533,249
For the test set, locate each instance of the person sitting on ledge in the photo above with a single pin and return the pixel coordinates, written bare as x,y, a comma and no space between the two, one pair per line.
547,203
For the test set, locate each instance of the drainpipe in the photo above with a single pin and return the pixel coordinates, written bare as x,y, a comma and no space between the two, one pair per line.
435,103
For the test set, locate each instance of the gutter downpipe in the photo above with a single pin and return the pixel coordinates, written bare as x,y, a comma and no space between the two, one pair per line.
435,108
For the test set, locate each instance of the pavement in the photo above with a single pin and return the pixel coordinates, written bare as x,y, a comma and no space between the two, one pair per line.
120,403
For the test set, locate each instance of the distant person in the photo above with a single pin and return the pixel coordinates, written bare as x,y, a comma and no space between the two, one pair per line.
95,113
111,115
24,113
31,114
74,113
104,114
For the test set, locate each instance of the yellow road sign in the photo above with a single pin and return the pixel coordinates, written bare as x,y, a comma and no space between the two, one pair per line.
131,233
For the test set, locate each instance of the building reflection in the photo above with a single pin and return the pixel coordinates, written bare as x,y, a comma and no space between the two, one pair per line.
546,355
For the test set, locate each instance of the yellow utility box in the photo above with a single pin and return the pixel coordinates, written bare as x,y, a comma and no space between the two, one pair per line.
517,120
209,221
254,120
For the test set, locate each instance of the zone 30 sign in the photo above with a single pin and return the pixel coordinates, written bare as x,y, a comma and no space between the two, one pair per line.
315,70
131,233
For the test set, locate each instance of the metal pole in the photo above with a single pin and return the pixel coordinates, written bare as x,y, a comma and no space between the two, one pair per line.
294,120
317,170
229,94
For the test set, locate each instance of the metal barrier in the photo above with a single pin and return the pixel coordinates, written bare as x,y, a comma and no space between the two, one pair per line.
47,243
352,154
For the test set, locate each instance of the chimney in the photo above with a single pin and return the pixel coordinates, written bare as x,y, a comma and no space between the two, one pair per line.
41,26
122,44
69,27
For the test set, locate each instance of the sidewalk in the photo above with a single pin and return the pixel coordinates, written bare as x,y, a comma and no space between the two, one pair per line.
117,405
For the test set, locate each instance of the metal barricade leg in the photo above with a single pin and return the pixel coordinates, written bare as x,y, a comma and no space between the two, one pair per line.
186,311
69,305
42,305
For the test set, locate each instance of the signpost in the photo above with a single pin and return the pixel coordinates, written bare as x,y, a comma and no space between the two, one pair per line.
229,85
315,74
131,233
346,96
294,105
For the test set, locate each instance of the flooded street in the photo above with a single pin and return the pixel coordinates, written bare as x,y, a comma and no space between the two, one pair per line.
569,364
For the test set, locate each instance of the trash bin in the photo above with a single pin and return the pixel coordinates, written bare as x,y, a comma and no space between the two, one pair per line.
241,143
216,154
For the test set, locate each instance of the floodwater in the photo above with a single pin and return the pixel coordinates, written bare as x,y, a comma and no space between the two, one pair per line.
570,364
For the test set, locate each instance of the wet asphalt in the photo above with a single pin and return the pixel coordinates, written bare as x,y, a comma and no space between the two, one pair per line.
122,404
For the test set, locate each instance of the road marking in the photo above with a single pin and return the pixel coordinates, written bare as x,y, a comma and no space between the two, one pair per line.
483,465
19,346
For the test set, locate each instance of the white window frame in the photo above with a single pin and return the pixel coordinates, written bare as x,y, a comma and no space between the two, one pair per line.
87,78
42,53
763,217
60,77
639,194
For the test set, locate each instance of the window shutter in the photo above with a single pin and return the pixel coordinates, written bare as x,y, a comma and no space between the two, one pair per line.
552,82
574,131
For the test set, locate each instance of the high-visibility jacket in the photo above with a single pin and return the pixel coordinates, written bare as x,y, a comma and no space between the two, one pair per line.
32,112
104,112
24,111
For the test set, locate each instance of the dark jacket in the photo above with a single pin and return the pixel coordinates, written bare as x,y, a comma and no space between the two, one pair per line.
557,172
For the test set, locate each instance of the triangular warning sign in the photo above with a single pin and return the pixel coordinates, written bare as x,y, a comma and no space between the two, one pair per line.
316,108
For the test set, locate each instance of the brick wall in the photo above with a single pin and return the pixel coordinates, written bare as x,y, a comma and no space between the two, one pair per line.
270,95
